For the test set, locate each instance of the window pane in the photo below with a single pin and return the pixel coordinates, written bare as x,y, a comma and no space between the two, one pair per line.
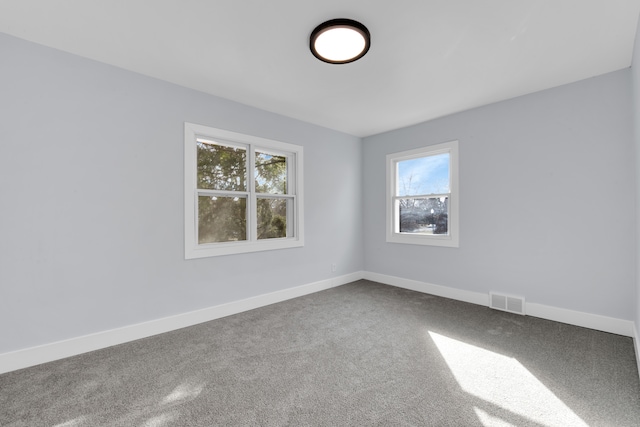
221,167
424,215
272,218
221,219
271,173
424,175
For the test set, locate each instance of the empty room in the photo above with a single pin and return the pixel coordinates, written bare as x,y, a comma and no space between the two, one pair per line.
337,213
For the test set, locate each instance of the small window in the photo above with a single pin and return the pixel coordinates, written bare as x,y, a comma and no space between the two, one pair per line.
422,196
242,193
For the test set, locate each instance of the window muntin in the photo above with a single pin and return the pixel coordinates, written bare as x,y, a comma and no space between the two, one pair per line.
248,193
422,204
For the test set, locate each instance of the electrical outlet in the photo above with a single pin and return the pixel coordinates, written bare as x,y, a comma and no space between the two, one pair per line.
334,267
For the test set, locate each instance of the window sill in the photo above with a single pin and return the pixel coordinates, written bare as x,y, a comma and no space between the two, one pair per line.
430,240
231,248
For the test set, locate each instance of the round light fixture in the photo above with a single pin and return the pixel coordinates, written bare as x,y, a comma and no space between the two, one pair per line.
340,41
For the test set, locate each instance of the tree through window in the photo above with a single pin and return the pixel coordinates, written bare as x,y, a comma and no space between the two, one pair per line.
247,190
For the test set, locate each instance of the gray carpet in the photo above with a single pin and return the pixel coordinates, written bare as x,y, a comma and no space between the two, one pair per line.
363,354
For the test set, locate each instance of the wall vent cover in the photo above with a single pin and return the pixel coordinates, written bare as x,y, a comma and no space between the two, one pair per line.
506,303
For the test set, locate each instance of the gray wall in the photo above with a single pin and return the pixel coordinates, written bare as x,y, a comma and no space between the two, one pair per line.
635,75
91,196
91,212
547,199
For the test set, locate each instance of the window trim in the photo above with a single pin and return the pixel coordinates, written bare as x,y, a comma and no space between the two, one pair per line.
453,237
192,249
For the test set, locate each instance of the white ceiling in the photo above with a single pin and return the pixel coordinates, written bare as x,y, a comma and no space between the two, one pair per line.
428,58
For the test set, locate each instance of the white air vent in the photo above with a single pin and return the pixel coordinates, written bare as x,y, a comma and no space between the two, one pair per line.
506,303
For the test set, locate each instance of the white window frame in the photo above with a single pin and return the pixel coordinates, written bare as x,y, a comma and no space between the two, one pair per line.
452,238
295,228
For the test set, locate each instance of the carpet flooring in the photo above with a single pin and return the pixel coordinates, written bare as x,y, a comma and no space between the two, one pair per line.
362,354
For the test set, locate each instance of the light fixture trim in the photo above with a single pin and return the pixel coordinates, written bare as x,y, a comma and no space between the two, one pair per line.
340,23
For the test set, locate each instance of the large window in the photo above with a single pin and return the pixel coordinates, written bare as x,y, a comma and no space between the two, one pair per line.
242,193
422,196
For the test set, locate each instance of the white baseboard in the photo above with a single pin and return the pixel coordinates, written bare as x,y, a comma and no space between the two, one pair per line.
577,318
429,288
58,350
348,278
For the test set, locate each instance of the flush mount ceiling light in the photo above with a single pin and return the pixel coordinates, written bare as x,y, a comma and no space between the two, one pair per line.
340,41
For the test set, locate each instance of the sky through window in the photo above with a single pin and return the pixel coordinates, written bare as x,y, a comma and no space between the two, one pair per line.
424,175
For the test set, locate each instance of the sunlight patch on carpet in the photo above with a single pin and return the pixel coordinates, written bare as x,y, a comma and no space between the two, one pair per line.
504,382
160,420
184,392
71,423
489,420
